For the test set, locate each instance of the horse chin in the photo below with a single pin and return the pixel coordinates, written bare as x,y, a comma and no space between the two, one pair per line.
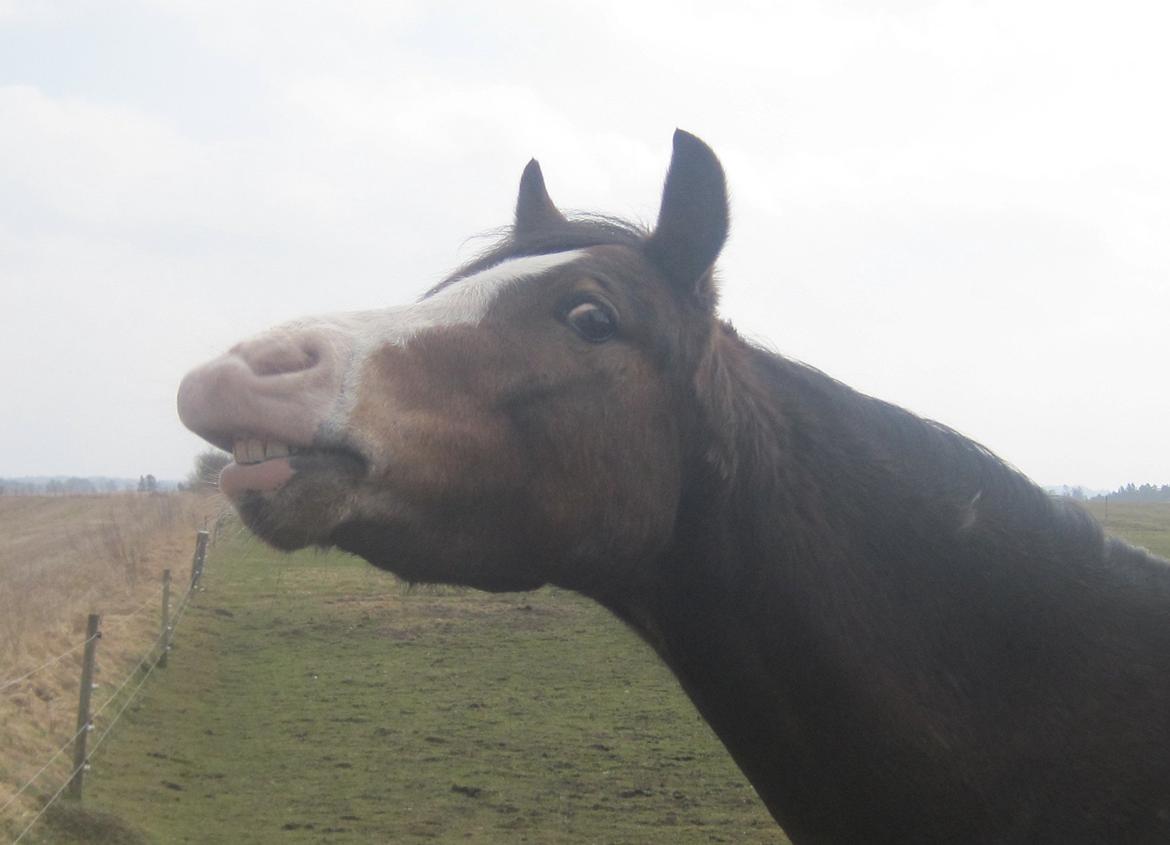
305,507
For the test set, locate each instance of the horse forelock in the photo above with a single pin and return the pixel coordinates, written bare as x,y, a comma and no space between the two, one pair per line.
579,232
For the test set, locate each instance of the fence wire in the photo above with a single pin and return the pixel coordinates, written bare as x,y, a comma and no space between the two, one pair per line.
48,804
46,664
107,624
138,664
44,768
122,619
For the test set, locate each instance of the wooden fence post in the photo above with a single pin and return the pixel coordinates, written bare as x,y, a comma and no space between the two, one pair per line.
200,556
91,638
165,636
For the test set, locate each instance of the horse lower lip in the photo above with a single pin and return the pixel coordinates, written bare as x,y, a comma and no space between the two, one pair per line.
266,476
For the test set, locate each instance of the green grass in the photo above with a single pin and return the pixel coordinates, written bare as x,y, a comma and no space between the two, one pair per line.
313,699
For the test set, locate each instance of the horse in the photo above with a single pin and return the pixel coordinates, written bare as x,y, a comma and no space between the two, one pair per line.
897,636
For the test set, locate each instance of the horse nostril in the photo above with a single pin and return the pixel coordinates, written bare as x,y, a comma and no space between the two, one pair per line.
286,361
276,388
279,355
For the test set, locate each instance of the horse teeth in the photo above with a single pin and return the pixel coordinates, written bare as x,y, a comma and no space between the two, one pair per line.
242,451
253,450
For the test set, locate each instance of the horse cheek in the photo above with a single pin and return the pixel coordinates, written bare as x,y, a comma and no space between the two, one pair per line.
609,490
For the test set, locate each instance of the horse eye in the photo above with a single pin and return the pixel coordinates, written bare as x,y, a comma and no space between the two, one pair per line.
593,322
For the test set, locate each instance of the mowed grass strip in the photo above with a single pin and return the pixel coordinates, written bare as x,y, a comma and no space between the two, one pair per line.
312,698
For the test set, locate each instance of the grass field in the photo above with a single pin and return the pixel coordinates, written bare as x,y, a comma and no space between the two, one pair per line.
1146,525
312,698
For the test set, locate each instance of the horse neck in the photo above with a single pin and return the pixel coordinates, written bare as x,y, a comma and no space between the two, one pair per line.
775,605
879,618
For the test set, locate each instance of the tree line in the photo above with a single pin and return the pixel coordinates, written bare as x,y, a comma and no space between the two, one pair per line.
1133,493
63,486
203,478
78,486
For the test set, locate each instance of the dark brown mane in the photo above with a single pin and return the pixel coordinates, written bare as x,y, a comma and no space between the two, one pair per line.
905,483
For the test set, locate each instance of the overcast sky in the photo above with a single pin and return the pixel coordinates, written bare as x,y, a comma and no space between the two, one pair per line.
961,207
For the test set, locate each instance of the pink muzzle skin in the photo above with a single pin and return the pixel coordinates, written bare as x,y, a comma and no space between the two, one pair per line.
237,479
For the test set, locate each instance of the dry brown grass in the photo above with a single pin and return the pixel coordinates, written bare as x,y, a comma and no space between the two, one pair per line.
61,558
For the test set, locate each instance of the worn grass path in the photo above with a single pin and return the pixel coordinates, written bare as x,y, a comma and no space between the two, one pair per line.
314,699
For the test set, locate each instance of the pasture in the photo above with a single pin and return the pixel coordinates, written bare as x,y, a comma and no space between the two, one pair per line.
312,698
1146,525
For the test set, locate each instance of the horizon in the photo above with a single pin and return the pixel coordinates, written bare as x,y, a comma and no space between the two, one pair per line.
1066,490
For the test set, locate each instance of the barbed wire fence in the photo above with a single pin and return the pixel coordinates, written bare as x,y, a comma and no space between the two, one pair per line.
112,705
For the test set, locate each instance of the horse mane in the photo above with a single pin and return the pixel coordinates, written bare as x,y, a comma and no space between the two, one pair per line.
945,469
861,511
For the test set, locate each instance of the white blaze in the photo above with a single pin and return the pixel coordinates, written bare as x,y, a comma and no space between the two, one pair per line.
463,302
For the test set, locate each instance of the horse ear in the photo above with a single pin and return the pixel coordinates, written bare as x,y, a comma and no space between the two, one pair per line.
693,221
534,209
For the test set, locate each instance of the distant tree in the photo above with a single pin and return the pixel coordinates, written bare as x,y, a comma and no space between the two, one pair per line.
151,484
204,478
81,486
